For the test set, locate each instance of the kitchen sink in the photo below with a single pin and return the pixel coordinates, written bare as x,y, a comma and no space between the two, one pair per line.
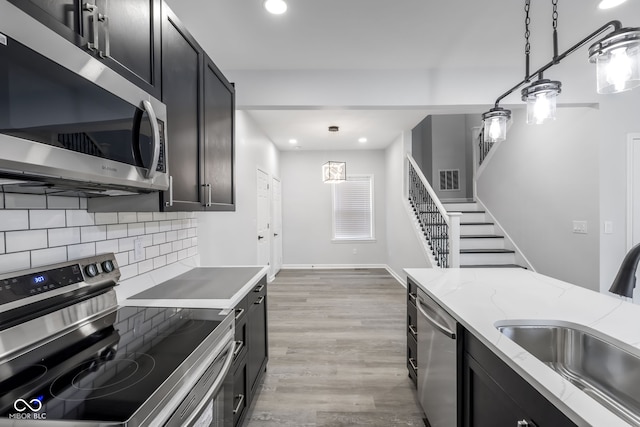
606,369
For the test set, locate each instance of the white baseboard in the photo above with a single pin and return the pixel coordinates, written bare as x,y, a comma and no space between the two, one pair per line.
330,266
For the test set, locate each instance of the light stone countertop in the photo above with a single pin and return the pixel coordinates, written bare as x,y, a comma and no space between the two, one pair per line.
478,298
157,288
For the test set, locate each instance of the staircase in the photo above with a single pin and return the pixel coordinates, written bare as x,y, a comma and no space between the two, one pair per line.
480,245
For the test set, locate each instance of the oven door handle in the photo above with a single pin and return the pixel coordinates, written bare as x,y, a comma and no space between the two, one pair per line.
217,384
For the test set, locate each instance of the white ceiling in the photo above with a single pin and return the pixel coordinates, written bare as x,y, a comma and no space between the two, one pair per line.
330,35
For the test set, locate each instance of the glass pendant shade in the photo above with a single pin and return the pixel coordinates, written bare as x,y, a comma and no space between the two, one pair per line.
495,124
540,97
334,172
277,7
617,59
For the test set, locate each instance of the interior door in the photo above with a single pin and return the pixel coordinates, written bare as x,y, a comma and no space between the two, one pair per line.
276,227
263,235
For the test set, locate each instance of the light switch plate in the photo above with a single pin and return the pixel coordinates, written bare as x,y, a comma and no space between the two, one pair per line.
138,250
608,227
580,227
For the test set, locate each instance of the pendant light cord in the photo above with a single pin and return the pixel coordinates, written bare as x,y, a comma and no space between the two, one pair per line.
554,16
527,34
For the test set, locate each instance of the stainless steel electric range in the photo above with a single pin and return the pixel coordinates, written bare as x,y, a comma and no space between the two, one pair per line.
69,355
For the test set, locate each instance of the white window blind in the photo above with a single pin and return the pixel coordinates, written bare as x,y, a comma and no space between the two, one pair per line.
353,209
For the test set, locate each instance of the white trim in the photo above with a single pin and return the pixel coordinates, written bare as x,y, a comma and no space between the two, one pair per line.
508,239
330,266
631,137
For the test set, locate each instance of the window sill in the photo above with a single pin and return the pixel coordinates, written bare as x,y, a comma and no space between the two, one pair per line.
354,240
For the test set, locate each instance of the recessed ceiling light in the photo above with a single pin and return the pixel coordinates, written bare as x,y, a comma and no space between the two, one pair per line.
293,141
362,140
277,7
608,4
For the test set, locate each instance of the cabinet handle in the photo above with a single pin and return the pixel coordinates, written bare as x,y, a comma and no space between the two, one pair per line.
104,19
170,202
413,297
239,345
259,301
525,423
239,312
413,330
209,199
93,44
412,362
259,289
239,405
155,130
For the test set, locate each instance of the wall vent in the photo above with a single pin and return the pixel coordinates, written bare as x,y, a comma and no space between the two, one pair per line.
449,179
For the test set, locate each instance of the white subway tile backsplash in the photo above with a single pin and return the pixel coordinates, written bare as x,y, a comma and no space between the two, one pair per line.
47,218
79,218
25,201
93,233
60,202
135,229
104,218
14,262
127,217
145,216
107,246
64,236
18,241
43,257
14,220
38,230
151,227
81,251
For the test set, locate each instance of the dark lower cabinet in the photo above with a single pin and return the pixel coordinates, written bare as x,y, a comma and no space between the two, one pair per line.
252,354
494,395
412,331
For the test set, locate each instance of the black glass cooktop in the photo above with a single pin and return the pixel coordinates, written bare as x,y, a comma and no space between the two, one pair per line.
108,374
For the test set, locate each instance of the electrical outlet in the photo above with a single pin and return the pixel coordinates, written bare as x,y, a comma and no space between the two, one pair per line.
580,227
138,250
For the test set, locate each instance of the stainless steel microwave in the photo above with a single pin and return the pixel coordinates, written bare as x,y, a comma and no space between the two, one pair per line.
69,122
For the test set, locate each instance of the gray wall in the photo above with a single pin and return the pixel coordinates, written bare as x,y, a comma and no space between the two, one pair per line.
307,209
421,147
541,179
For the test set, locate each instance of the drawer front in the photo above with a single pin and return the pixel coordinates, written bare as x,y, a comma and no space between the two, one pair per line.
241,341
241,309
240,396
412,292
412,359
412,324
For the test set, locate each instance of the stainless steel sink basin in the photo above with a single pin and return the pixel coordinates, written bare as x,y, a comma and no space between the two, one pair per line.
606,369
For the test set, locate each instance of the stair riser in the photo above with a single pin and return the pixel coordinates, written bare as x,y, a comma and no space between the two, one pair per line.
482,243
474,230
484,259
457,207
473,217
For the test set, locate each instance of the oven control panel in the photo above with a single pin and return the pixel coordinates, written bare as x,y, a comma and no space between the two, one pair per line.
23,284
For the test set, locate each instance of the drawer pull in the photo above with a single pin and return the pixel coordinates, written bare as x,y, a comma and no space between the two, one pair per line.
259,288
412,362
259,301
413,330
413,297
239,405
239,312
239,345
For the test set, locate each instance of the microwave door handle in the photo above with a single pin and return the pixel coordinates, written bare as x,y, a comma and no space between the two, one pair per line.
155,129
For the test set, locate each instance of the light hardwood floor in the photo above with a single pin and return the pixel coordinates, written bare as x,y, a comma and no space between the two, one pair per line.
337,349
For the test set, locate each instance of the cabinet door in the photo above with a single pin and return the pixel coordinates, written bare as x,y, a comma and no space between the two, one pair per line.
219,115
257,337
132,30
240,395
182,65
66,17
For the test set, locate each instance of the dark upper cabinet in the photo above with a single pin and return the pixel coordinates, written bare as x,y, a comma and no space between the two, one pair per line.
182,60
219,108
123,34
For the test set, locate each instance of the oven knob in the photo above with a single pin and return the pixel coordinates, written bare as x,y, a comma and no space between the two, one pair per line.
91,270
107,266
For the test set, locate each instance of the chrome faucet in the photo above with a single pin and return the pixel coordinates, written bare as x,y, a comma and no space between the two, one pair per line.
625,281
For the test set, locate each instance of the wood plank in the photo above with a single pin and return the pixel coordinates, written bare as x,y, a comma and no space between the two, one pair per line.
337,352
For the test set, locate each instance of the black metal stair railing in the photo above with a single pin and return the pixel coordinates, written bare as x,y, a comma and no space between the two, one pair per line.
433,219
484,147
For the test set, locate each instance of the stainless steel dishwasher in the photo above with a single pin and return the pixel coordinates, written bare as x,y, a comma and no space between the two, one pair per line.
436,362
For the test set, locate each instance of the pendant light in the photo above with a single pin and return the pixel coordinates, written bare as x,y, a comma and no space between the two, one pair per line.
334,172
495,124
276,7
617,59
540,97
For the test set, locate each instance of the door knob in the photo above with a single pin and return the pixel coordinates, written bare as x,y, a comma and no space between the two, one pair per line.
260,237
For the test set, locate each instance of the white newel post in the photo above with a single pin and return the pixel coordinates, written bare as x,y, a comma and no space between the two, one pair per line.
454,239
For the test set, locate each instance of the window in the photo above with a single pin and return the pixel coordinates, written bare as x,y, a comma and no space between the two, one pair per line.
353,209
